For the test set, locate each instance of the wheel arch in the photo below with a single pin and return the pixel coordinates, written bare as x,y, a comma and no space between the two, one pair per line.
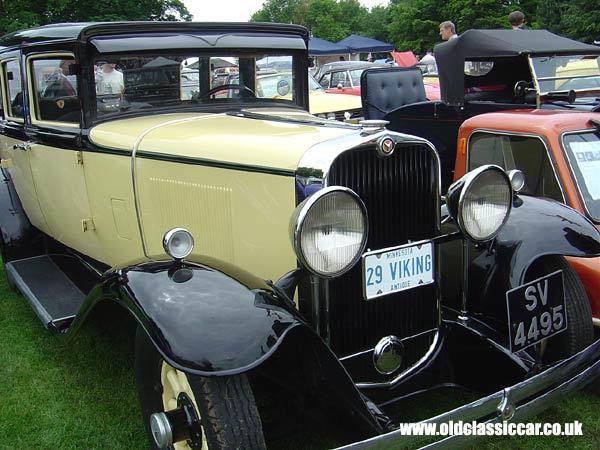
206,318
538,227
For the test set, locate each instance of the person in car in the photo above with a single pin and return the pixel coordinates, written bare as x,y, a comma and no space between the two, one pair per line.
59,84
109,80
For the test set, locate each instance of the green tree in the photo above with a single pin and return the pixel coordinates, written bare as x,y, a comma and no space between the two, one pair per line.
328,19
414,24
282,11
582,20
376,23
18,14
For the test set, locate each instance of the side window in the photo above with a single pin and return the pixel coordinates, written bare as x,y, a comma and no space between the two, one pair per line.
12,81
54,89
355,76
487,149
526,153
338,78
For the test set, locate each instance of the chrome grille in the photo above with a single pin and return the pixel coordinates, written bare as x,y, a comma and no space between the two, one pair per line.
401,196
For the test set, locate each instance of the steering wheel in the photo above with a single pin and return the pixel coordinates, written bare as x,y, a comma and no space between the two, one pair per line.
244,90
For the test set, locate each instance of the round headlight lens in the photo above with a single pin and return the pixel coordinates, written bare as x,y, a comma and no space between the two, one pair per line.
178,243
331,116
484,203
329,231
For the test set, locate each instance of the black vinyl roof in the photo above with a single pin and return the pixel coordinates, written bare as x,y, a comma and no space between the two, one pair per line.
482,43
490,44
83,31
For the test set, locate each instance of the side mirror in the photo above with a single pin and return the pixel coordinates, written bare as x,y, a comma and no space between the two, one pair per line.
340,86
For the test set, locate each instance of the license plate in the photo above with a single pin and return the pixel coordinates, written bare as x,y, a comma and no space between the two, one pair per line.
536,311
397,269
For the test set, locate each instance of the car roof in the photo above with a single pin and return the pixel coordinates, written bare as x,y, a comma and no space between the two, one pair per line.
494,44
538,121
85,30
345,65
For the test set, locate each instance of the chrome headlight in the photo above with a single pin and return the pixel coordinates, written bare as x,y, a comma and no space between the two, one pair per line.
480,201
329,231
178,243
331,116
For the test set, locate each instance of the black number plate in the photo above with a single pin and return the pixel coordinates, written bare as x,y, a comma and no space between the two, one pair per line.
536,311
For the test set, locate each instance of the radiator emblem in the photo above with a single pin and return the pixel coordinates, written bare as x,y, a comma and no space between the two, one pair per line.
386,146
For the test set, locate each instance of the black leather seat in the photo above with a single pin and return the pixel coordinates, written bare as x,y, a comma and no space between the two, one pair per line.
384,90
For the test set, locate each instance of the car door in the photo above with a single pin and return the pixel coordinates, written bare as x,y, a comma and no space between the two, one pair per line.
14,142
55,157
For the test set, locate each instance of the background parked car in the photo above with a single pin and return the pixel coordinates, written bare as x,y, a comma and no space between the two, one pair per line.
559,155
344,77
273,84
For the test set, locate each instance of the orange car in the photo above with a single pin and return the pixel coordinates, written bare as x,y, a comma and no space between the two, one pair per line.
559,154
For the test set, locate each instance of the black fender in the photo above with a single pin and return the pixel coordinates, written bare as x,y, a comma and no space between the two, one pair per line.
210,318
536,227
206,317
17,231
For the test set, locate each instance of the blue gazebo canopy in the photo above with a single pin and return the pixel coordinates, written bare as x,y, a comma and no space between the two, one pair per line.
362,44
321,47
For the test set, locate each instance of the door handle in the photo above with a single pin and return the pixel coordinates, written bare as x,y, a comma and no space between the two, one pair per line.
22,146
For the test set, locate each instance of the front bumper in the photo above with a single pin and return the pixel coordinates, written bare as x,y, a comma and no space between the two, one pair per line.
516,403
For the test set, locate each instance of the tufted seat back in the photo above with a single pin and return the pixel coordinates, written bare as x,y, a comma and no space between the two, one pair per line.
384,90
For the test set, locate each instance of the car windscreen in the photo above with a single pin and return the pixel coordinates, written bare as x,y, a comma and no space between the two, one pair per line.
181,80
583,153
567,72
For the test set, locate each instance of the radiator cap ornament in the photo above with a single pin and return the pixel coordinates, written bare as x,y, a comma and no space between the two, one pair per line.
372,126
388,355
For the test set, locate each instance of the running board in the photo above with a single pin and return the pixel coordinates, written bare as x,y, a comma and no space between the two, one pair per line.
51,293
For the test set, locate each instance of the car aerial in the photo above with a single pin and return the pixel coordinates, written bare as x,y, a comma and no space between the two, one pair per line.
558,153
276,265
344,77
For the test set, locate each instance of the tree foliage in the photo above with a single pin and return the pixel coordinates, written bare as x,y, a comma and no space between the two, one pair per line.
582,20
18,14
408,24
414,24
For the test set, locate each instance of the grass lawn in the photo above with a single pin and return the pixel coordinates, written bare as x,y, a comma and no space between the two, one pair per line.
80,395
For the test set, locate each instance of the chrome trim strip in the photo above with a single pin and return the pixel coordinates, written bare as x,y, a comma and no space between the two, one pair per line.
566,377
536,84
365,352
318,159
520,134
596,321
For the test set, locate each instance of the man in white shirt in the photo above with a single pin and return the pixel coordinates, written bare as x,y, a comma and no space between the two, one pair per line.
109,80
428,62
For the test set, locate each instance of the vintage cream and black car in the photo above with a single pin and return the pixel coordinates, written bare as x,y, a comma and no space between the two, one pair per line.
182,209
